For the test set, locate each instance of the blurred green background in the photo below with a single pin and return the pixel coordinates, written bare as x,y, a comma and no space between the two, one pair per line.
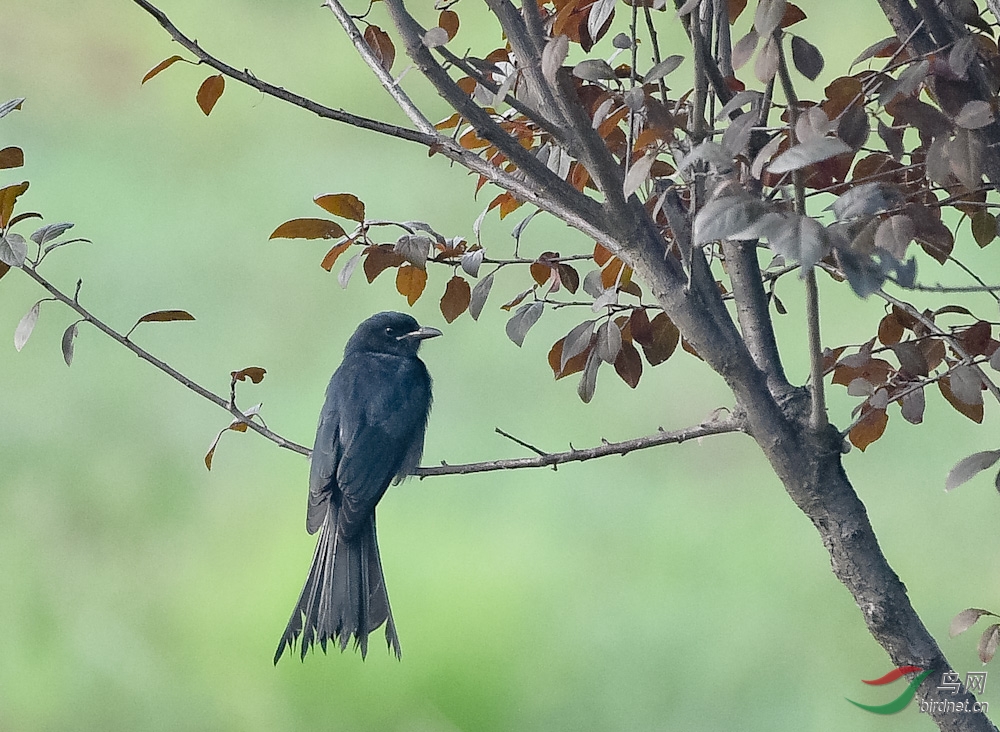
675,588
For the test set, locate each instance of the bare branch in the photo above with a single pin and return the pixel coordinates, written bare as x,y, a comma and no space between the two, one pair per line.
521,442
166,368
817,416
574,455
946,289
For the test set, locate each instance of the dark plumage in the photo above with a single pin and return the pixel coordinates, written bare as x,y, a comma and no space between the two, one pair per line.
371,433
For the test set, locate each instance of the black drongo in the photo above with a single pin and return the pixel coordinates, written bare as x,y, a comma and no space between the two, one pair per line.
371,432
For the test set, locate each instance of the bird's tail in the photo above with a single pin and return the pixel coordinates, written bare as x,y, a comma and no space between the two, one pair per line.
344,594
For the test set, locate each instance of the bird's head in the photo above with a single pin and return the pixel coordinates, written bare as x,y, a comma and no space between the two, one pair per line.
390,332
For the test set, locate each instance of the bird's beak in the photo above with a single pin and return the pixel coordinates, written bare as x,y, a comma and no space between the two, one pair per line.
420,334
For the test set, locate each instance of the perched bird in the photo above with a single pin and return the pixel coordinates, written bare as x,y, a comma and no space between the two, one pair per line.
371,433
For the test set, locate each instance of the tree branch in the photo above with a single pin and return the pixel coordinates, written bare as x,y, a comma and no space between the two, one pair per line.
751,308
381,73
574,455
817,416
704,58
278,92
166,368
540,186
571,214
582,140
543,460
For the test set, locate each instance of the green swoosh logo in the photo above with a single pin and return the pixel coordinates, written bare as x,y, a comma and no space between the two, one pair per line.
900,702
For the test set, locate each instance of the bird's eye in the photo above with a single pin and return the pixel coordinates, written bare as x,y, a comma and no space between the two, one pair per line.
388,330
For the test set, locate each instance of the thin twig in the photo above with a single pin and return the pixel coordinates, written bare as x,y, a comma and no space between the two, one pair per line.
520,442
950,289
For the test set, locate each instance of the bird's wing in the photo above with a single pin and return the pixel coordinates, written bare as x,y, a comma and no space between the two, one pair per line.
380,404
324,459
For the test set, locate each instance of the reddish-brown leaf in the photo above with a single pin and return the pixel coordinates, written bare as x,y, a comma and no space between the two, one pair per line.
793,14
972,411
333,254
254,373
984,225
210,91
875,371
574,365
976,338
628,364
579,177
690,349
933,350
663,337
870,428
160,67
4,268
381,45
904,318
611,274
830,357
410,282
540,272
380,258
24,217
159,316
628,286
516,301
449,123
889,330
457,296
448,19
934,238
736,8
840,94
471,141
508,204
639,325
601,255
11,157
308,229
8,196
876,165
568,277
345,205
165,316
